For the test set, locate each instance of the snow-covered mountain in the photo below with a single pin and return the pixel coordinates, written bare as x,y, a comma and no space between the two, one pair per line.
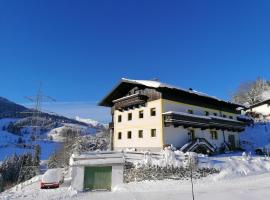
91,122
16,129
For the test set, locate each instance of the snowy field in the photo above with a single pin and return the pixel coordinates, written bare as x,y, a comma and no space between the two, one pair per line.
241,178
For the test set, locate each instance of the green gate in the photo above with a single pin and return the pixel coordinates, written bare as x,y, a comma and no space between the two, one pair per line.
97,178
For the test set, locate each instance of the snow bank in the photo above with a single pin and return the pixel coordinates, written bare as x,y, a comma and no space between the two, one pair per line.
236,167
255,136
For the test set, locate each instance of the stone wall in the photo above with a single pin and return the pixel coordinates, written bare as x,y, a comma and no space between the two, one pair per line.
134,173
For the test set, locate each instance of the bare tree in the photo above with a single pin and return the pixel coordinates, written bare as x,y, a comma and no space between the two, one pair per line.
251,92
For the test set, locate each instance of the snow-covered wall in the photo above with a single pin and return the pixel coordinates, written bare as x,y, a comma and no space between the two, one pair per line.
77,174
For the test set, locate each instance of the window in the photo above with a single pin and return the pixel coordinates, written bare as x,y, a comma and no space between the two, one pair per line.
224,116
231,117
119,135
141,114
206,113
191,134
214,135
129,134
129,116
153,132
215,114
140,134
119,118
190,111
153,111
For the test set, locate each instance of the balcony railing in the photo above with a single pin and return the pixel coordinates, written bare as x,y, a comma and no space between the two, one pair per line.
130,101
203,122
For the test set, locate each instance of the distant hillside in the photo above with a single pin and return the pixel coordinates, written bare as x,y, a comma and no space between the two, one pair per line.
91,122
11,109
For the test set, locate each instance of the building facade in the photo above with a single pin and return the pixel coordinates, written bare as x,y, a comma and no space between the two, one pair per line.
148,115
261,110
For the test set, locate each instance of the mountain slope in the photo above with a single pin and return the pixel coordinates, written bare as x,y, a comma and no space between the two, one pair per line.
91,122
11,109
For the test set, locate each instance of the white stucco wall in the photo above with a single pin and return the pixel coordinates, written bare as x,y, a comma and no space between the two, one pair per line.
146,123
77,175
262,109
117,175
175,136
181,107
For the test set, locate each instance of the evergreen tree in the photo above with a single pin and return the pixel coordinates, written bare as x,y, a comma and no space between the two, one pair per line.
52,163
1,183
36,159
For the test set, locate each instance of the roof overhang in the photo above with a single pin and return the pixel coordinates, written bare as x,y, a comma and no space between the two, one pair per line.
125,85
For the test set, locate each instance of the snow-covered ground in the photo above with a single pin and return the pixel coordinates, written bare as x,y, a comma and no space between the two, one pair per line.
241,178
255,136
57,133
8,143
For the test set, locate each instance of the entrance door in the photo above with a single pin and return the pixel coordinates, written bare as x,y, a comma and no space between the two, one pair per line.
97,178
231,139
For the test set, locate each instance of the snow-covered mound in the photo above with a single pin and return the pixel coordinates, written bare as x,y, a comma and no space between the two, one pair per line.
255,136
91,122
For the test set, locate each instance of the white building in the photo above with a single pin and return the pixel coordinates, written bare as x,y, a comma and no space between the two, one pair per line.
261,109
96,171
148,115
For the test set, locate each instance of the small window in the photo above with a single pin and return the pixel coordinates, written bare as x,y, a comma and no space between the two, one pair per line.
215,114
153,132
153,111
225,116
141,114
206,113
129,135
214,135
190,111
140,134
119,118
129,116
231,117
119,135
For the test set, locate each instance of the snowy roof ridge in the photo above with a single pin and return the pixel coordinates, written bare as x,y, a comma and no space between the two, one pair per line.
260,103
158,84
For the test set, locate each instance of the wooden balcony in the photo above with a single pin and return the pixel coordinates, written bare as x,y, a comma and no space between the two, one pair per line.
204,122
130,101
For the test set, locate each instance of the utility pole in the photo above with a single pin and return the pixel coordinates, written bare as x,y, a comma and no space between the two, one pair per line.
36,112
38,99
191,176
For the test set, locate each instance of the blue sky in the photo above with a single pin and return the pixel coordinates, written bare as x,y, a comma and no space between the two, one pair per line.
80,49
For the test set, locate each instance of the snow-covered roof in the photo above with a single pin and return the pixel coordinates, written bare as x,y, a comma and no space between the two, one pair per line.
107,101
267,101
158,84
